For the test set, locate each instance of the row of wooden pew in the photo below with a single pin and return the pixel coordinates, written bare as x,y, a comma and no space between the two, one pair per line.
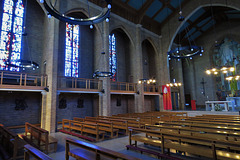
12,145
113,125
82,150
193,135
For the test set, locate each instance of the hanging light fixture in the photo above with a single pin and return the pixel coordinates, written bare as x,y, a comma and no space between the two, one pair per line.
102,73
187,51
104,15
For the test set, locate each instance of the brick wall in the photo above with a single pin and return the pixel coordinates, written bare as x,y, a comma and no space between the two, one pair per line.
121,104
72,110
11,117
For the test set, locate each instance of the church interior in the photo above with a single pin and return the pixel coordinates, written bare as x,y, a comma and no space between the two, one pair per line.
119,79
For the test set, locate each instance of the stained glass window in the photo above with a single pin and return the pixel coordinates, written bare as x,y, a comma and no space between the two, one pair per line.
71,50
113,57
11,34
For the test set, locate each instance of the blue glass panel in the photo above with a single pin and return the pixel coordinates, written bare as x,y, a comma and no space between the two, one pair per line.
6,28
175,3
195,35
136,4
163,15
154,7
17,35
203,22
197,14
185,25
113,57
71,50
208,25
190,32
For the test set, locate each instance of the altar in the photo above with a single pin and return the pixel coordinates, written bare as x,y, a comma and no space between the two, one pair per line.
210,105
235,102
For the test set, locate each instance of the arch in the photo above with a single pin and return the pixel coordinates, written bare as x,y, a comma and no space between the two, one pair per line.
148,60
152,43
123,52
196,7
125,31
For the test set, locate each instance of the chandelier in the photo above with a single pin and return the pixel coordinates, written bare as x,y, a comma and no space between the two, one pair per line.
184,51
147,81
52,11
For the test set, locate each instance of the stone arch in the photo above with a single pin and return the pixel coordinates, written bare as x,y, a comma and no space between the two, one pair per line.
126,32
148,59
123,49
195,6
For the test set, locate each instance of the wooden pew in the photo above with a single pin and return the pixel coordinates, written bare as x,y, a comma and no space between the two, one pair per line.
117,123
92,152
92,128
224,124
39,137
11,146
104,125
206,147
30,151
83,128
197,125
204,132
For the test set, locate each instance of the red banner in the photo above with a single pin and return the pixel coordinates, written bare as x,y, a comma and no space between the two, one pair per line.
167,100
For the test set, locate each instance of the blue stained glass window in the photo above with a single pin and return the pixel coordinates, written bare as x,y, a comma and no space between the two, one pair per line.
11,35
113,56
71,50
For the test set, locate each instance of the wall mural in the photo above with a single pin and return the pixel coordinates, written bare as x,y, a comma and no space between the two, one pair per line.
227,53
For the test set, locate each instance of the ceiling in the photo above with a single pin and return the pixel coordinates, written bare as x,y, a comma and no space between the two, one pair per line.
152,14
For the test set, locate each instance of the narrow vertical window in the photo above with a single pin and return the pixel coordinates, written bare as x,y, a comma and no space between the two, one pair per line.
71,50
113,57
11,34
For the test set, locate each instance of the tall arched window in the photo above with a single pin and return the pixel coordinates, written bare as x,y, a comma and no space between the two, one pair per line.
113,56
71,50
11,34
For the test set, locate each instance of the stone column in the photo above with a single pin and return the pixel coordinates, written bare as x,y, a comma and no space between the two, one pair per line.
138,70
43,112
51,40
139,99
181,88
105,95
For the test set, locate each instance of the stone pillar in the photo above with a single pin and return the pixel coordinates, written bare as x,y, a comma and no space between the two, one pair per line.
43,112
105,95
51,40
139,99
181,88
138,70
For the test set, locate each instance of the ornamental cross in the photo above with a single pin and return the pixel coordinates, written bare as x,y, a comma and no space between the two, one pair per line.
203,86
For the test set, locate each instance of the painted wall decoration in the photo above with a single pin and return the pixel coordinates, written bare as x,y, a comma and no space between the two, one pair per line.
227,53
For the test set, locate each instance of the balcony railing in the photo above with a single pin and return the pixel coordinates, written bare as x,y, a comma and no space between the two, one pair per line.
22,79
123,86
151,88
79,83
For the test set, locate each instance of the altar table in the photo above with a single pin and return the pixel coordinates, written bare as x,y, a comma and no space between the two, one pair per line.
210,104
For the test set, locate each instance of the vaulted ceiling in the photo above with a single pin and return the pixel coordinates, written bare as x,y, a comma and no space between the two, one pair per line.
153,14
